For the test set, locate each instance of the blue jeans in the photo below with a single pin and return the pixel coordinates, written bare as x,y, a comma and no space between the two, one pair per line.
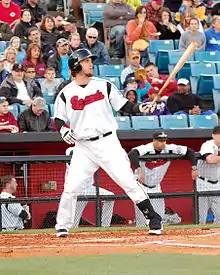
117,33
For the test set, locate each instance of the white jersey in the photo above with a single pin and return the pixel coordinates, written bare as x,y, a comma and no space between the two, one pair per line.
154,171
207,170
89,109
10,213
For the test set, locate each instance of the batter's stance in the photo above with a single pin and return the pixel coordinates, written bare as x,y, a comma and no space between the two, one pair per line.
87,104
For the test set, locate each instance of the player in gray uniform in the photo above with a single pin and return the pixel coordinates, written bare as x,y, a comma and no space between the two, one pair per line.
88,189
87,104
14,215
209,176
151,173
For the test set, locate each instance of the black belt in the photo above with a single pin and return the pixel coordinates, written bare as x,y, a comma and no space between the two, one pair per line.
148,186
101,136
210,181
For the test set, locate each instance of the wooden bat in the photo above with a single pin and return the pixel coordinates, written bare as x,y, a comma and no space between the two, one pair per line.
189,51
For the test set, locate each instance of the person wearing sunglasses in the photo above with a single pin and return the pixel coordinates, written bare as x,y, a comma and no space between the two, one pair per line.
96,47
8,124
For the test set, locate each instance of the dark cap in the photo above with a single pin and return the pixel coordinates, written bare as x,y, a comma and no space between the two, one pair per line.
69,20
216,130
17,67
131,79
160,136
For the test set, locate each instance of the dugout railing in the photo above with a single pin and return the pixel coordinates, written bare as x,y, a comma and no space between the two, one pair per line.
19,166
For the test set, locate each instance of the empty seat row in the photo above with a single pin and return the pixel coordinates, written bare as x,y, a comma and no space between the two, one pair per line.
166,122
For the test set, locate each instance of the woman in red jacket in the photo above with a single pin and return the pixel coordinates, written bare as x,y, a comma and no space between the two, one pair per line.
34,58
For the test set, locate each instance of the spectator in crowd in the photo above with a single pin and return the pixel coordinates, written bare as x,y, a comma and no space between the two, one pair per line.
3,71
153,7
160,107
14,215
185,21
96,47
157,80
5,31
215,9
49,34
50,84
191,35
165,26
131,94
74,42
10,55
34,36
37,12
134,3
116,15
21,29
58,19
185,4
185,102
59,60
172,5
8,124
35,118
10,12
15,42
134,60
30,76
200,12
34,57
16,90
213,35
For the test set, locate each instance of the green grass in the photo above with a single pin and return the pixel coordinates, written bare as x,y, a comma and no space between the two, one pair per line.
101,229
129,264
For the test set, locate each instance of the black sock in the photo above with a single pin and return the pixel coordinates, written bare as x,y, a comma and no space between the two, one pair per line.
146,208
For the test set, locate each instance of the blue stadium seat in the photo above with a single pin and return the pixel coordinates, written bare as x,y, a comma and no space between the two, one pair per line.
95,70
207,56
216,81
176,44
216,100
203,121
2,46
145,122
156,45
201,81
217,64
115,80
51,108
92,12
173,121
49,97
14,110
123,122
162,61
110,70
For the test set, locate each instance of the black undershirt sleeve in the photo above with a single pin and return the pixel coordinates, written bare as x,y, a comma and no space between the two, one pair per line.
203,157
59,123
134,158
131,108
191,156
23,215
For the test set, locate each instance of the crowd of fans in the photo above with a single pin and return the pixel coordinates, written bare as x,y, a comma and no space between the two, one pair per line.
36,47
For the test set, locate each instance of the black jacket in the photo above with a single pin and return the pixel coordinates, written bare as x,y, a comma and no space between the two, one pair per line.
9,90
55,62
37,12
49,40
5,31
166,33
29,122
21,30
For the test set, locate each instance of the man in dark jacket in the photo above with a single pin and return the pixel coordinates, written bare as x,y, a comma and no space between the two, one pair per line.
5,31
35,118
59,60
16,90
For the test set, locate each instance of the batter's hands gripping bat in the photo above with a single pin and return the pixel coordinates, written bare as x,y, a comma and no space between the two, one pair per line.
189,51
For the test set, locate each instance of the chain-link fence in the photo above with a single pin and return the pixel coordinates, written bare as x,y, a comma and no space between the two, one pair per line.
40,182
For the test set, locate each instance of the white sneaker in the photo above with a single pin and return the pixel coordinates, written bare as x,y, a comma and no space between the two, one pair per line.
62,233
155,232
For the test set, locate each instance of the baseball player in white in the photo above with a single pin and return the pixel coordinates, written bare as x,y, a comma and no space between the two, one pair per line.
13,214
89,189
87,104
209,176
151,173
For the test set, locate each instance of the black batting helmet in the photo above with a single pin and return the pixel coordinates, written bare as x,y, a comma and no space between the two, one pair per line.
78,56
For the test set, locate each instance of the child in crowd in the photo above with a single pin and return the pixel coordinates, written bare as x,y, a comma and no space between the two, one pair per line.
50,84
185,4
160,107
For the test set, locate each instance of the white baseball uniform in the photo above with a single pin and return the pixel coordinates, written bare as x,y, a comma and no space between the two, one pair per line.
209,180
89,111
89,189
10,214
154,172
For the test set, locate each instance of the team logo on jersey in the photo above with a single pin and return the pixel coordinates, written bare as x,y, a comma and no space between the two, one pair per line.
12,14
153,164
80,103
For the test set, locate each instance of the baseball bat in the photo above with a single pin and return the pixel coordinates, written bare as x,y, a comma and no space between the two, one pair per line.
189,51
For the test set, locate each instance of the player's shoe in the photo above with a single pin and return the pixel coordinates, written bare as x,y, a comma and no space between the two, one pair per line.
155,225
62,233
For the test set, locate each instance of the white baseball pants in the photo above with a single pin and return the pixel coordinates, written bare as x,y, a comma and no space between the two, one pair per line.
209,202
